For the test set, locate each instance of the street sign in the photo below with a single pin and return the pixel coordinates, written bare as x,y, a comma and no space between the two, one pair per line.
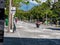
13,10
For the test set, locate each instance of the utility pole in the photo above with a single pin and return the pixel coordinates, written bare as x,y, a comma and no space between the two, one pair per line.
11,14
9,26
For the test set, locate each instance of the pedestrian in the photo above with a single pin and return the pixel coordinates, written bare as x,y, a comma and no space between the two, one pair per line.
16,19
37,24
14,23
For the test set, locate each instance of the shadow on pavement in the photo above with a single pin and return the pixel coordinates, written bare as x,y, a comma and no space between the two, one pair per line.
30,41
54,28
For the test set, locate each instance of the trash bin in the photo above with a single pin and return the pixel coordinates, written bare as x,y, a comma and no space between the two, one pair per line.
6,22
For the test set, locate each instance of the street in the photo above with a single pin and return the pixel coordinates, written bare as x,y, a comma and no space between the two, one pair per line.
28,34
30,14
29,30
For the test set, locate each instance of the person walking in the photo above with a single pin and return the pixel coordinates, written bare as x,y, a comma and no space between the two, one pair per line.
14,25
16,19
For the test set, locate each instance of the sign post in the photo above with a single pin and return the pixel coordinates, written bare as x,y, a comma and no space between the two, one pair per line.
9,24
13,11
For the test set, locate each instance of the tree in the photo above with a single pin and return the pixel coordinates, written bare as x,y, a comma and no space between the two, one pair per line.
56,9
38,1
49,2
37,12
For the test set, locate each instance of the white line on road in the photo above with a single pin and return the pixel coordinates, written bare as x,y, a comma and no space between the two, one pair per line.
44,36
32,30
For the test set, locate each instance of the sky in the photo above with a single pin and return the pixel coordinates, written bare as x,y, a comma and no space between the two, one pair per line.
28,7
43,0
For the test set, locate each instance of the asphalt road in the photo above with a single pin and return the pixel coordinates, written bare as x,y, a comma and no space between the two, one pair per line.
29,30
28,34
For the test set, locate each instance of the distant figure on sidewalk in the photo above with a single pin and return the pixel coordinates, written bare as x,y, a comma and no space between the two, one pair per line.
37,23
14,23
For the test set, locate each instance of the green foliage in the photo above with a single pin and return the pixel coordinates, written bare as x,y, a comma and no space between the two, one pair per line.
39,1
36,12
57,7
48,2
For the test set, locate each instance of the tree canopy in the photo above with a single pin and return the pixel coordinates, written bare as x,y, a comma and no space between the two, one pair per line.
39,11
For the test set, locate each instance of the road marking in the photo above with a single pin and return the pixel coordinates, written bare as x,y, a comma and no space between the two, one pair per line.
56,34
44,36
32,30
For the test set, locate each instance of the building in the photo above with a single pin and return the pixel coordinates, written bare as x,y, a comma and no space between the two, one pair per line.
55,1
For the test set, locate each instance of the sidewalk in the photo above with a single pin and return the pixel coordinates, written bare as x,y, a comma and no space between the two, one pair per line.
10,34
